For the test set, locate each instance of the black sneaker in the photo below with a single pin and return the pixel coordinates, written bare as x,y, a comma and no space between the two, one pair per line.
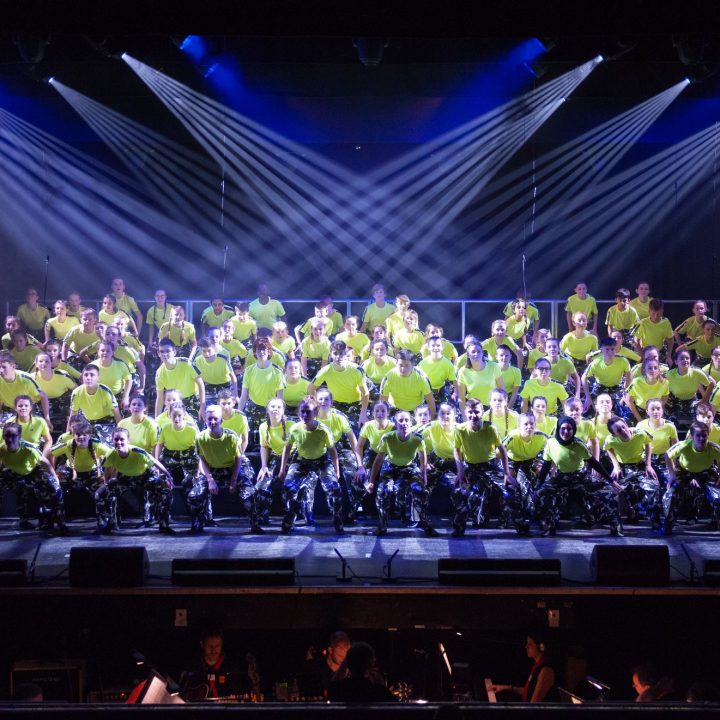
166,530
430,532
458,533
26,525
379,532
339,527
256,530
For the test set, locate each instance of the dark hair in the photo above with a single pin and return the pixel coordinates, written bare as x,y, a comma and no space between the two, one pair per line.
360,658
623,293
656,304
607,342
406,355
338,347
613,422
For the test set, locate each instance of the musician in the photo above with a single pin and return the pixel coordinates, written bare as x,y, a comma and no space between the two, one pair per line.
541,685
217,676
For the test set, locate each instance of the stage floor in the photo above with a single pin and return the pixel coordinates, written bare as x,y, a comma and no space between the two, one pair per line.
317,564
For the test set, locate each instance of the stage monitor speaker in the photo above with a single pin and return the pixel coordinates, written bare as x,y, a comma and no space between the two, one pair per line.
711,573
13,572
60,680
108,566
500,572
233,572
644,565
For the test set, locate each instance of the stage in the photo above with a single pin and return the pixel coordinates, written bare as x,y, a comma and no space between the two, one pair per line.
317,564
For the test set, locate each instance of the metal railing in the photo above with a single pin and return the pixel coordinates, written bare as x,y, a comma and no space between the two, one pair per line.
458,316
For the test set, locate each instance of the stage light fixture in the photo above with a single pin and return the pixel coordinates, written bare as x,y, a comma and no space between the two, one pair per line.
370,50
30,47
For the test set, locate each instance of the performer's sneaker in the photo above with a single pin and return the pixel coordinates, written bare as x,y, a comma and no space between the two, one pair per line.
339,527
430,531
26,525
166,530
256,530
379,532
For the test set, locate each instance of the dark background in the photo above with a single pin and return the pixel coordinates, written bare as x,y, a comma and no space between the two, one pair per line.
297,73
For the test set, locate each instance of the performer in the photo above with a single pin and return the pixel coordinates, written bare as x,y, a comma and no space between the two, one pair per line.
401,466
126,467
315,458
215,676
177,451
23,467
477,445
224,464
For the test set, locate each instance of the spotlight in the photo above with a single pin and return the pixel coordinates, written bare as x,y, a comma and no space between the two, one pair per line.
213,68
49,80
370,50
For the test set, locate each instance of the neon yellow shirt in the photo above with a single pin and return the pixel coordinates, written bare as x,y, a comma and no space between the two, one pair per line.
263,384
609,375
273,437
567,458
438,372
401,452
344,384
630,451
622,319
374,315
83,459
21,462
662,438
58,329
181,377
653,333
310,444
218,453
641,391
377,372
479,383
23,384
685,387
58,385
553,392
373,434
504,424
405,393
210,318
337,423
178,440
143,434
587,306
136,463
579,347
439,440
520,450
268,314
96,406
691,460
477,446
641,308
